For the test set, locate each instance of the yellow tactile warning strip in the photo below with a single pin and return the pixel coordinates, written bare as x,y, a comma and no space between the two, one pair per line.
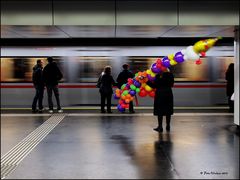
11,159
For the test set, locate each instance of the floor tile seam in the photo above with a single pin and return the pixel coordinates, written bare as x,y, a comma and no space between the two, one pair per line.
118,115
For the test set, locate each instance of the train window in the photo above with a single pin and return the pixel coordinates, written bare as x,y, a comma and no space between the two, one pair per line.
7,68
189,71
86,69
90,67
140,63
19,69
223,63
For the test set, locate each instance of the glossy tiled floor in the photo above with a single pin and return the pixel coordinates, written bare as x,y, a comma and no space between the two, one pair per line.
94,146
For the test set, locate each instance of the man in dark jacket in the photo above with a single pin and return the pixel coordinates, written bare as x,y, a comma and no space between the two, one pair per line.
123,79
52,75
39,86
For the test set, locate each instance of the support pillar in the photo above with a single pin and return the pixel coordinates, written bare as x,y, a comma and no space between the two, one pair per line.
236,77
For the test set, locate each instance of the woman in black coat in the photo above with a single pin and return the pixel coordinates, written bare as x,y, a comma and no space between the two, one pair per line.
105,83
163,101
229,76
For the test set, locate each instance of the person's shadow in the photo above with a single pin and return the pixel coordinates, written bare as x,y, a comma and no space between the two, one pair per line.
163,153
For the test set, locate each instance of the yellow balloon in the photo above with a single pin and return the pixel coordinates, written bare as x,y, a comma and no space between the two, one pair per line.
153,74
199,46
148,71
173,63
204,45
170,56
148,88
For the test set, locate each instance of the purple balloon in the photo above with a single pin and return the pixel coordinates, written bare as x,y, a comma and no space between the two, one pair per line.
115,97
120,108
137,84
132,93
178,57
165,58
127,86
166,62
150,78
155,69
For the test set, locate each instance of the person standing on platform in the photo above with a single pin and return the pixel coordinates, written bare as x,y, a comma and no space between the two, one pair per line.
105,83
163,100
123,79
229,76
37,79
52,75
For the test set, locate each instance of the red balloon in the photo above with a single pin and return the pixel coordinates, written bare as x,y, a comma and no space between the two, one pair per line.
120,101
159,61
152,94
159,65
142,93
130,81
198,62
203,54
163,68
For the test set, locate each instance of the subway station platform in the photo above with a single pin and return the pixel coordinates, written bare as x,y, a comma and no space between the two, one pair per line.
89,145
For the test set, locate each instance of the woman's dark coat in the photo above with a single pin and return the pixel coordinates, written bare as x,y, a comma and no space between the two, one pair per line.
105,83
163,101
229,76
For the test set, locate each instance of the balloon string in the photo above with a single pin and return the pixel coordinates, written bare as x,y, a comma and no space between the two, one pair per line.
136,100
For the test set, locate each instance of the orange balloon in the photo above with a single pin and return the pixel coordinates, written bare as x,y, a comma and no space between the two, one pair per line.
123,97
128,96
127,100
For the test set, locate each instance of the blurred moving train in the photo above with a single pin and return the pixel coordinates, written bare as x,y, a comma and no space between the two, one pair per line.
195,85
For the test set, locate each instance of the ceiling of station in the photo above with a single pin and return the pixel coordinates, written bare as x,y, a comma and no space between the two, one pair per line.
112,31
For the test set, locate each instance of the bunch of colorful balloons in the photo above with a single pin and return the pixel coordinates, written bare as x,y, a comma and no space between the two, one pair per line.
138,84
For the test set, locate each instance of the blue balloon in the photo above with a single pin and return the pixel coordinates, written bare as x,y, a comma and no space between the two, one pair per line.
137,84
115,97
132,93
150,78
166,62
178,57
120,108
155,69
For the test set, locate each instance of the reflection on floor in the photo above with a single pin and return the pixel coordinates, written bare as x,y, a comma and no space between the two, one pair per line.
85,146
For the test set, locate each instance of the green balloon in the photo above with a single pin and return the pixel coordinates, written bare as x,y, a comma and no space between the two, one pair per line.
136,74
133,87
123,86
125,92
137,90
